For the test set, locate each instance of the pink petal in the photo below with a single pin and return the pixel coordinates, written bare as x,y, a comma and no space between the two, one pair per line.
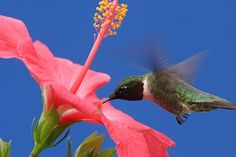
12,34
86,106
132,138
60,73
74,115
85,110
63,71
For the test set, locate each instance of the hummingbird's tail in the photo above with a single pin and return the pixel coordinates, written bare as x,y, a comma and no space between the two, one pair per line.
223,105
207,106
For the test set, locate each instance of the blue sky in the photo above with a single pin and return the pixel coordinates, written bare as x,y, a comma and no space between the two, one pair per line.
184,28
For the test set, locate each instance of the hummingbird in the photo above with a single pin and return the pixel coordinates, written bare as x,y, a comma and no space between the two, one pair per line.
171,87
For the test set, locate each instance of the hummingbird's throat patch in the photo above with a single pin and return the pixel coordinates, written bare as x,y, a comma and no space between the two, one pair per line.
146,92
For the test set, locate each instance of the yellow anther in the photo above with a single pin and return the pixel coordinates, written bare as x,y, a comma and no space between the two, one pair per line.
123,14
108,22
104,14
103,8
124,5
96,26
109,14
102,3
112,7
95,18
99,16
117,16
113,25
120,18
118,7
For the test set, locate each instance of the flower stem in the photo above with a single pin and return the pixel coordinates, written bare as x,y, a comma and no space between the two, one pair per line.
35,152
93,52
32,155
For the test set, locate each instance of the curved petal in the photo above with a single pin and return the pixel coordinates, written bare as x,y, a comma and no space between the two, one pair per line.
12,34
132,138
70,107
64,71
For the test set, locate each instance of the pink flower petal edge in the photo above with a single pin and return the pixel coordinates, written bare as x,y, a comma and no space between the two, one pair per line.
132,138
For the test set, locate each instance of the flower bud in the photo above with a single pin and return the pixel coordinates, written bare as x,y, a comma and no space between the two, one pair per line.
47,129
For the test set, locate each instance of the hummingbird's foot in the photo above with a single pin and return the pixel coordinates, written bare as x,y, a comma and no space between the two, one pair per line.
181,118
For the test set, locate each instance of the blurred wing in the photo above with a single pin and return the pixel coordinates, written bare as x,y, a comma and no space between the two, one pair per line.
156,58
187,69
146,54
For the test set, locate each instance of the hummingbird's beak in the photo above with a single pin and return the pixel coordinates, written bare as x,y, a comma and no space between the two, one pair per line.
111,97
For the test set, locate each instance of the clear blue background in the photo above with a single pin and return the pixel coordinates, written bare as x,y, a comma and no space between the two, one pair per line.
184,27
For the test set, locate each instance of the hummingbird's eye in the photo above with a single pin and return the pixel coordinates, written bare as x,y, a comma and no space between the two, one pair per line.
122,89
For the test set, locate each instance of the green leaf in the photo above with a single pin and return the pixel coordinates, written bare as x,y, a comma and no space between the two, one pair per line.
90,146
107,153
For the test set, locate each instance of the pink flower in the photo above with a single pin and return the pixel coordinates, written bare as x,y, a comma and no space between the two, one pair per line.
56,77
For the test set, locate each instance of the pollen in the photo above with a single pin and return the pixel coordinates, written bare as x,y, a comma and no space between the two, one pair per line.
109,14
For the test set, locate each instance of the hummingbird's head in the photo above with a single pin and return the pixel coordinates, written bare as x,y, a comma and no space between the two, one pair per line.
130,89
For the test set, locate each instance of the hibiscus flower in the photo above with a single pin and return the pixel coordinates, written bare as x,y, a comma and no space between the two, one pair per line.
56,76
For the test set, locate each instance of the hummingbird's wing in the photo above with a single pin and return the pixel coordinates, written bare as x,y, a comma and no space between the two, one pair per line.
149,54
156,60
187,69
146,53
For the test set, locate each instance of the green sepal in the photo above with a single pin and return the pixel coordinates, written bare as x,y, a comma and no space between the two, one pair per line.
107,153
90,146
69,154
47,130
5,148
62,139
